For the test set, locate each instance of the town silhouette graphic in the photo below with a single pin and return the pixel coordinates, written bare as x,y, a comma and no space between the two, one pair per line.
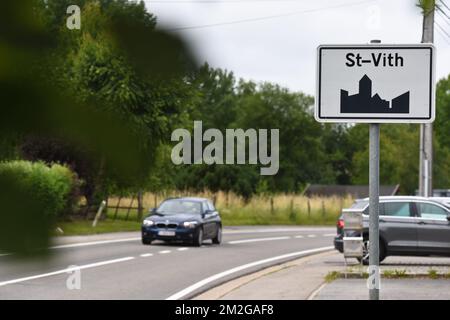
364,102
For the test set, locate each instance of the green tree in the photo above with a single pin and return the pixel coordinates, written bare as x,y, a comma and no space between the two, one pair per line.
100,67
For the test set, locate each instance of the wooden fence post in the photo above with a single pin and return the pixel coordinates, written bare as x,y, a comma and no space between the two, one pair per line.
117,208
129,208
323,208
140,206
292,214
309,209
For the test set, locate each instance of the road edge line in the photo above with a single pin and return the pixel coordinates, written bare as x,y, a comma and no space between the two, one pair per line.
316,291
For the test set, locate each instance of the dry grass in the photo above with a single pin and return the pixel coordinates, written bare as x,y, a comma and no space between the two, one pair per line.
260,210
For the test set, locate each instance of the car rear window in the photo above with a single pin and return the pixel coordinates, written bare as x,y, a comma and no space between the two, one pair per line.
361,204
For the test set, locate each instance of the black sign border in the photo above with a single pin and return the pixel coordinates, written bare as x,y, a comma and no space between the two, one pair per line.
319,116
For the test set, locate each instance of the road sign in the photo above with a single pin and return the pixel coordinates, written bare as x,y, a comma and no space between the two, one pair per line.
375,83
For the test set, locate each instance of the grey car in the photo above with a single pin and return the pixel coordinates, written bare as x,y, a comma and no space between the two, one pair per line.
411,226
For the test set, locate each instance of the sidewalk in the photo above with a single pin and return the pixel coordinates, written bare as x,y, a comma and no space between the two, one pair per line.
297,279
391,289
305,279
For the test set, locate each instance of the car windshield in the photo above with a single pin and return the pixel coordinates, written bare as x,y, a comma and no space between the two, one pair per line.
179,206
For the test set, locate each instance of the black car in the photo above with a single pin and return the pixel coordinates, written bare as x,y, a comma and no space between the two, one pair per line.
409,226
183,219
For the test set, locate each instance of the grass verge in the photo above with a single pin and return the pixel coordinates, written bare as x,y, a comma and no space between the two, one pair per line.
84,227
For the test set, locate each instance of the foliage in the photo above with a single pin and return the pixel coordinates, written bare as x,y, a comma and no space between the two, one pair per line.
99,66
38,194
77,90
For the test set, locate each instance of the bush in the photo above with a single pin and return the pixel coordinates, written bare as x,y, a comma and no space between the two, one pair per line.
54,187
34,195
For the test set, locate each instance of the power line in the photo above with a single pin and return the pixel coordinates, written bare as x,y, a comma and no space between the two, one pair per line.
445,5
446,21
442,29
443,36
439,9
268,17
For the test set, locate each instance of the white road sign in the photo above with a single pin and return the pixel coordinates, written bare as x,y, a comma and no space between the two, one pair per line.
375,83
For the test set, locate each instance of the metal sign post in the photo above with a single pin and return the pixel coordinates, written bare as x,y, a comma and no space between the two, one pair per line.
374,197
374,202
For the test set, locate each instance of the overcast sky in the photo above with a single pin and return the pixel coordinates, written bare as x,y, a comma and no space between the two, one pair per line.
276,40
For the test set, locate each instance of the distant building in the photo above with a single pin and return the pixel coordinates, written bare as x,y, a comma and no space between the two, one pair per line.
364,102
356,191
438,192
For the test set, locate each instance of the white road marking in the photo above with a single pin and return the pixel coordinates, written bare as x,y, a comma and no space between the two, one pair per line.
182,249
195,286
298,237
164,251
54,273
93,243
258,239
270,230
328,235
242,231
145,255
311,235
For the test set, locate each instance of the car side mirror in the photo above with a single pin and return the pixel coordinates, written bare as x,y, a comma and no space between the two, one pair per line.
152,210
206,212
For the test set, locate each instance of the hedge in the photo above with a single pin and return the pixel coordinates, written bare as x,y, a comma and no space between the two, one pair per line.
32,196
52,186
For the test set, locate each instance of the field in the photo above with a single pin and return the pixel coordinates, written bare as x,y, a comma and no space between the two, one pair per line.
281,209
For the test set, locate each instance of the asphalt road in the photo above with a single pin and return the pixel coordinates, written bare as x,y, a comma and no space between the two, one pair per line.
120,267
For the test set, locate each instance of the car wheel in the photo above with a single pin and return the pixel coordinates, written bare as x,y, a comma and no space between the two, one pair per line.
198,240
365,258
218,238
146,241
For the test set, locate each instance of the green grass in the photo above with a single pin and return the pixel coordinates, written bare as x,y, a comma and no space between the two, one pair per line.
331,276
395,274
251,216
123,213
433,274
84,227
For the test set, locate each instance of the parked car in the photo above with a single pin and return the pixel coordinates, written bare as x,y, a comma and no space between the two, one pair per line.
183,219
411,226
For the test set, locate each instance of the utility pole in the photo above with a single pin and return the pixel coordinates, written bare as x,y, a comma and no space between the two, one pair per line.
426,130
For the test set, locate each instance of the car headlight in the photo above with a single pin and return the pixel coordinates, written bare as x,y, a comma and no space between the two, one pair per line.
148,223
190,224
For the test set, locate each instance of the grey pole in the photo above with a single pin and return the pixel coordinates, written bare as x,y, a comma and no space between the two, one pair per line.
426,130
374,199
374,184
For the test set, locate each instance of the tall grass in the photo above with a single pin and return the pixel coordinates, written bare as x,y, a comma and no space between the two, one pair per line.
281,209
